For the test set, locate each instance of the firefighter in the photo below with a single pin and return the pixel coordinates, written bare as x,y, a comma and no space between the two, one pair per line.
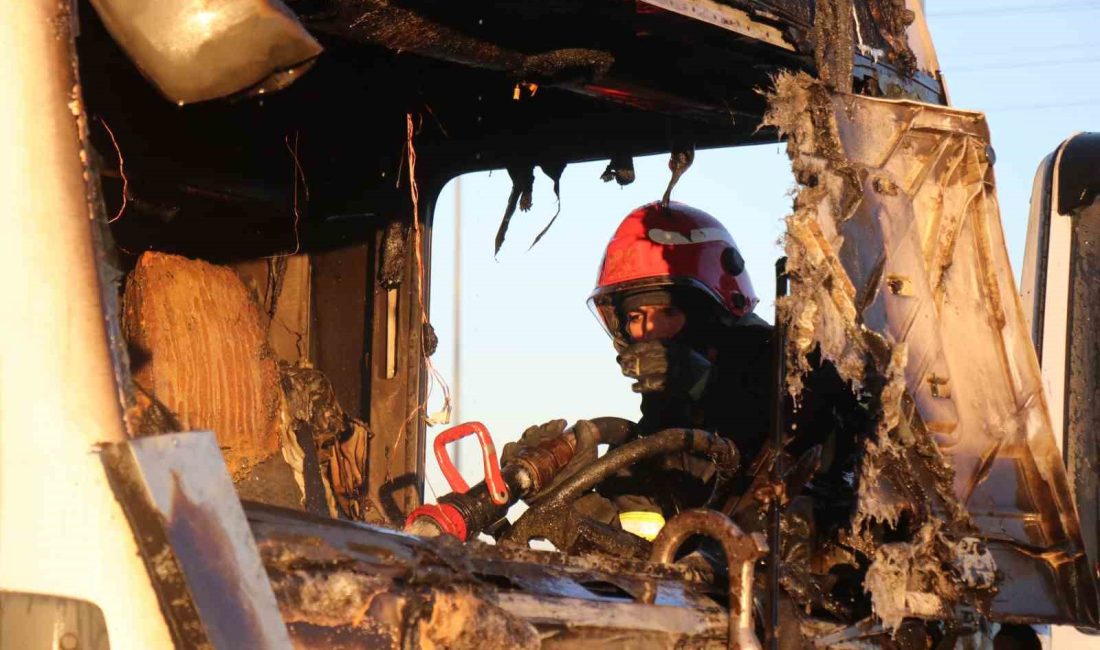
677,302
675,297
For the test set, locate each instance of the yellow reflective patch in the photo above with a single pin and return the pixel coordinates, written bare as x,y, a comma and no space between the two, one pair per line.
643,524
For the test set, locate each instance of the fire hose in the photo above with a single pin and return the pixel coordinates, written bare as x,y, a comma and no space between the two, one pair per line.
466,511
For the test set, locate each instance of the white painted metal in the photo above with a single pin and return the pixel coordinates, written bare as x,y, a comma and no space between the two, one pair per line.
188,468
61,530
1056,310
1034,259
1046,280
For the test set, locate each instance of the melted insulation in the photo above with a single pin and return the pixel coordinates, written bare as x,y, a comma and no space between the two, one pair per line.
901,279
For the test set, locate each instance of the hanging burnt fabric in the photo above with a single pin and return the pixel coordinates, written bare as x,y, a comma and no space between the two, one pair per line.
338,441
619,169
431,339
553,169
523,182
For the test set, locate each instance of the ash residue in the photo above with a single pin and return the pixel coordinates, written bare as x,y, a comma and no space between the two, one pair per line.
913,578
821,308
331,598
893,19
571,65
324,592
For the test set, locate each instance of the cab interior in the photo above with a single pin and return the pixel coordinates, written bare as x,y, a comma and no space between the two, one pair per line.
305,193
268,255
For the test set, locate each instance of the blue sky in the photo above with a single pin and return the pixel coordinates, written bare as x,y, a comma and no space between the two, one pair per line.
530,350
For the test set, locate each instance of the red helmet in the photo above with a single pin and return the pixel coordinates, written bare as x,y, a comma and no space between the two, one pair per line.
657,246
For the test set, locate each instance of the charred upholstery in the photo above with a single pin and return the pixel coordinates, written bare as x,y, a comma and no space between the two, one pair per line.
199,345
200,355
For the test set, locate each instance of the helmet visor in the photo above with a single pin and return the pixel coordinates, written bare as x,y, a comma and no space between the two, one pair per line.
610,304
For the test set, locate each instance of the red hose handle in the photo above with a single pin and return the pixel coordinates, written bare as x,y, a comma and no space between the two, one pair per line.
498,491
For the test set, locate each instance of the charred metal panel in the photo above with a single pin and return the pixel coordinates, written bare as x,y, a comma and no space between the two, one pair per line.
726,17
573,601
798,12
875,79
225,166
901,277
195,541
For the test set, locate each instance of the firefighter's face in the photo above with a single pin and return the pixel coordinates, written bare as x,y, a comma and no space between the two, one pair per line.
655,322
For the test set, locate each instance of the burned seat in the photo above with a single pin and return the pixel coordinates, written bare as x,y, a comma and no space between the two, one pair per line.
199,352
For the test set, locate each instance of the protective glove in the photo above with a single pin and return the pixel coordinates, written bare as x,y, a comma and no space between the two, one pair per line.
532,437
667,367
587,439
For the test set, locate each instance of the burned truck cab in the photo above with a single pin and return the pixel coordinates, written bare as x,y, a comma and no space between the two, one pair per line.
214,377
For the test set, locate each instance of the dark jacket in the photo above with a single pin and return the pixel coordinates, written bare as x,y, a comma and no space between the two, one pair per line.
736,404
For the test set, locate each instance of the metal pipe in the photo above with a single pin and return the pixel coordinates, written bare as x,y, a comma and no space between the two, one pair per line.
775,512
741,551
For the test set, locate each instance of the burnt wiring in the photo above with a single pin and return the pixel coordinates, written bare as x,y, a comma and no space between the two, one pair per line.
435,377
277,264
298,174
121,172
